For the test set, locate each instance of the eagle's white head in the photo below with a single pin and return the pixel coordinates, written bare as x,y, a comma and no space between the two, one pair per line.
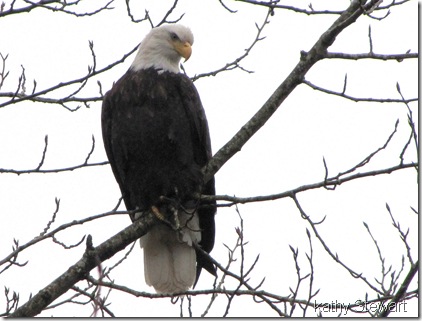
163,47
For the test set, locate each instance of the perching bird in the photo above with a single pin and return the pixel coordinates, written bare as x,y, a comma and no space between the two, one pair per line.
157,140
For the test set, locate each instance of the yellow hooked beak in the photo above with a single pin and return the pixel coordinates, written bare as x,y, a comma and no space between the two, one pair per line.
184,49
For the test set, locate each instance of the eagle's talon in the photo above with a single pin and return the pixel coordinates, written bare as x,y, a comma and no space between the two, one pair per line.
157,213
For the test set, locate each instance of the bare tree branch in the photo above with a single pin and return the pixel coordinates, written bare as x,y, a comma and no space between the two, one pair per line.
45,171
335,257
12,10
52,5
97,301
333,181
274,4
16,98
91,258
58,170
235,64
371,55
356,99
62,227
403,235
148,17
296,77
402,291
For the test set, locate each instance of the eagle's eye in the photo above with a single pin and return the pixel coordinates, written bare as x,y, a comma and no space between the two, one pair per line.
174,36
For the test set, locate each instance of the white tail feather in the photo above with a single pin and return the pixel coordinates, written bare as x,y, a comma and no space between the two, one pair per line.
169,258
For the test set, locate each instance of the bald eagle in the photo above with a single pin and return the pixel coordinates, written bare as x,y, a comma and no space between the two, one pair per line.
157,140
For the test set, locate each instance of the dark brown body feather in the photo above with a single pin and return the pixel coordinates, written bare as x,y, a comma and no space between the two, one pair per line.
157,140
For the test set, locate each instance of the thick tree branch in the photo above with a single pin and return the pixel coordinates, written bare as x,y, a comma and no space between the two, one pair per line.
91,258
296,77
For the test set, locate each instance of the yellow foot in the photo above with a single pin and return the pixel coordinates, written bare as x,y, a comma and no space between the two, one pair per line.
157,213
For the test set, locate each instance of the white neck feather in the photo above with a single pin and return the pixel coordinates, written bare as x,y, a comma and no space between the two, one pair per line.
149,59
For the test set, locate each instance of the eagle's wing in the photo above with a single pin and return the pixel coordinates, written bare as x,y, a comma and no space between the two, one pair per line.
107,119
203,153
